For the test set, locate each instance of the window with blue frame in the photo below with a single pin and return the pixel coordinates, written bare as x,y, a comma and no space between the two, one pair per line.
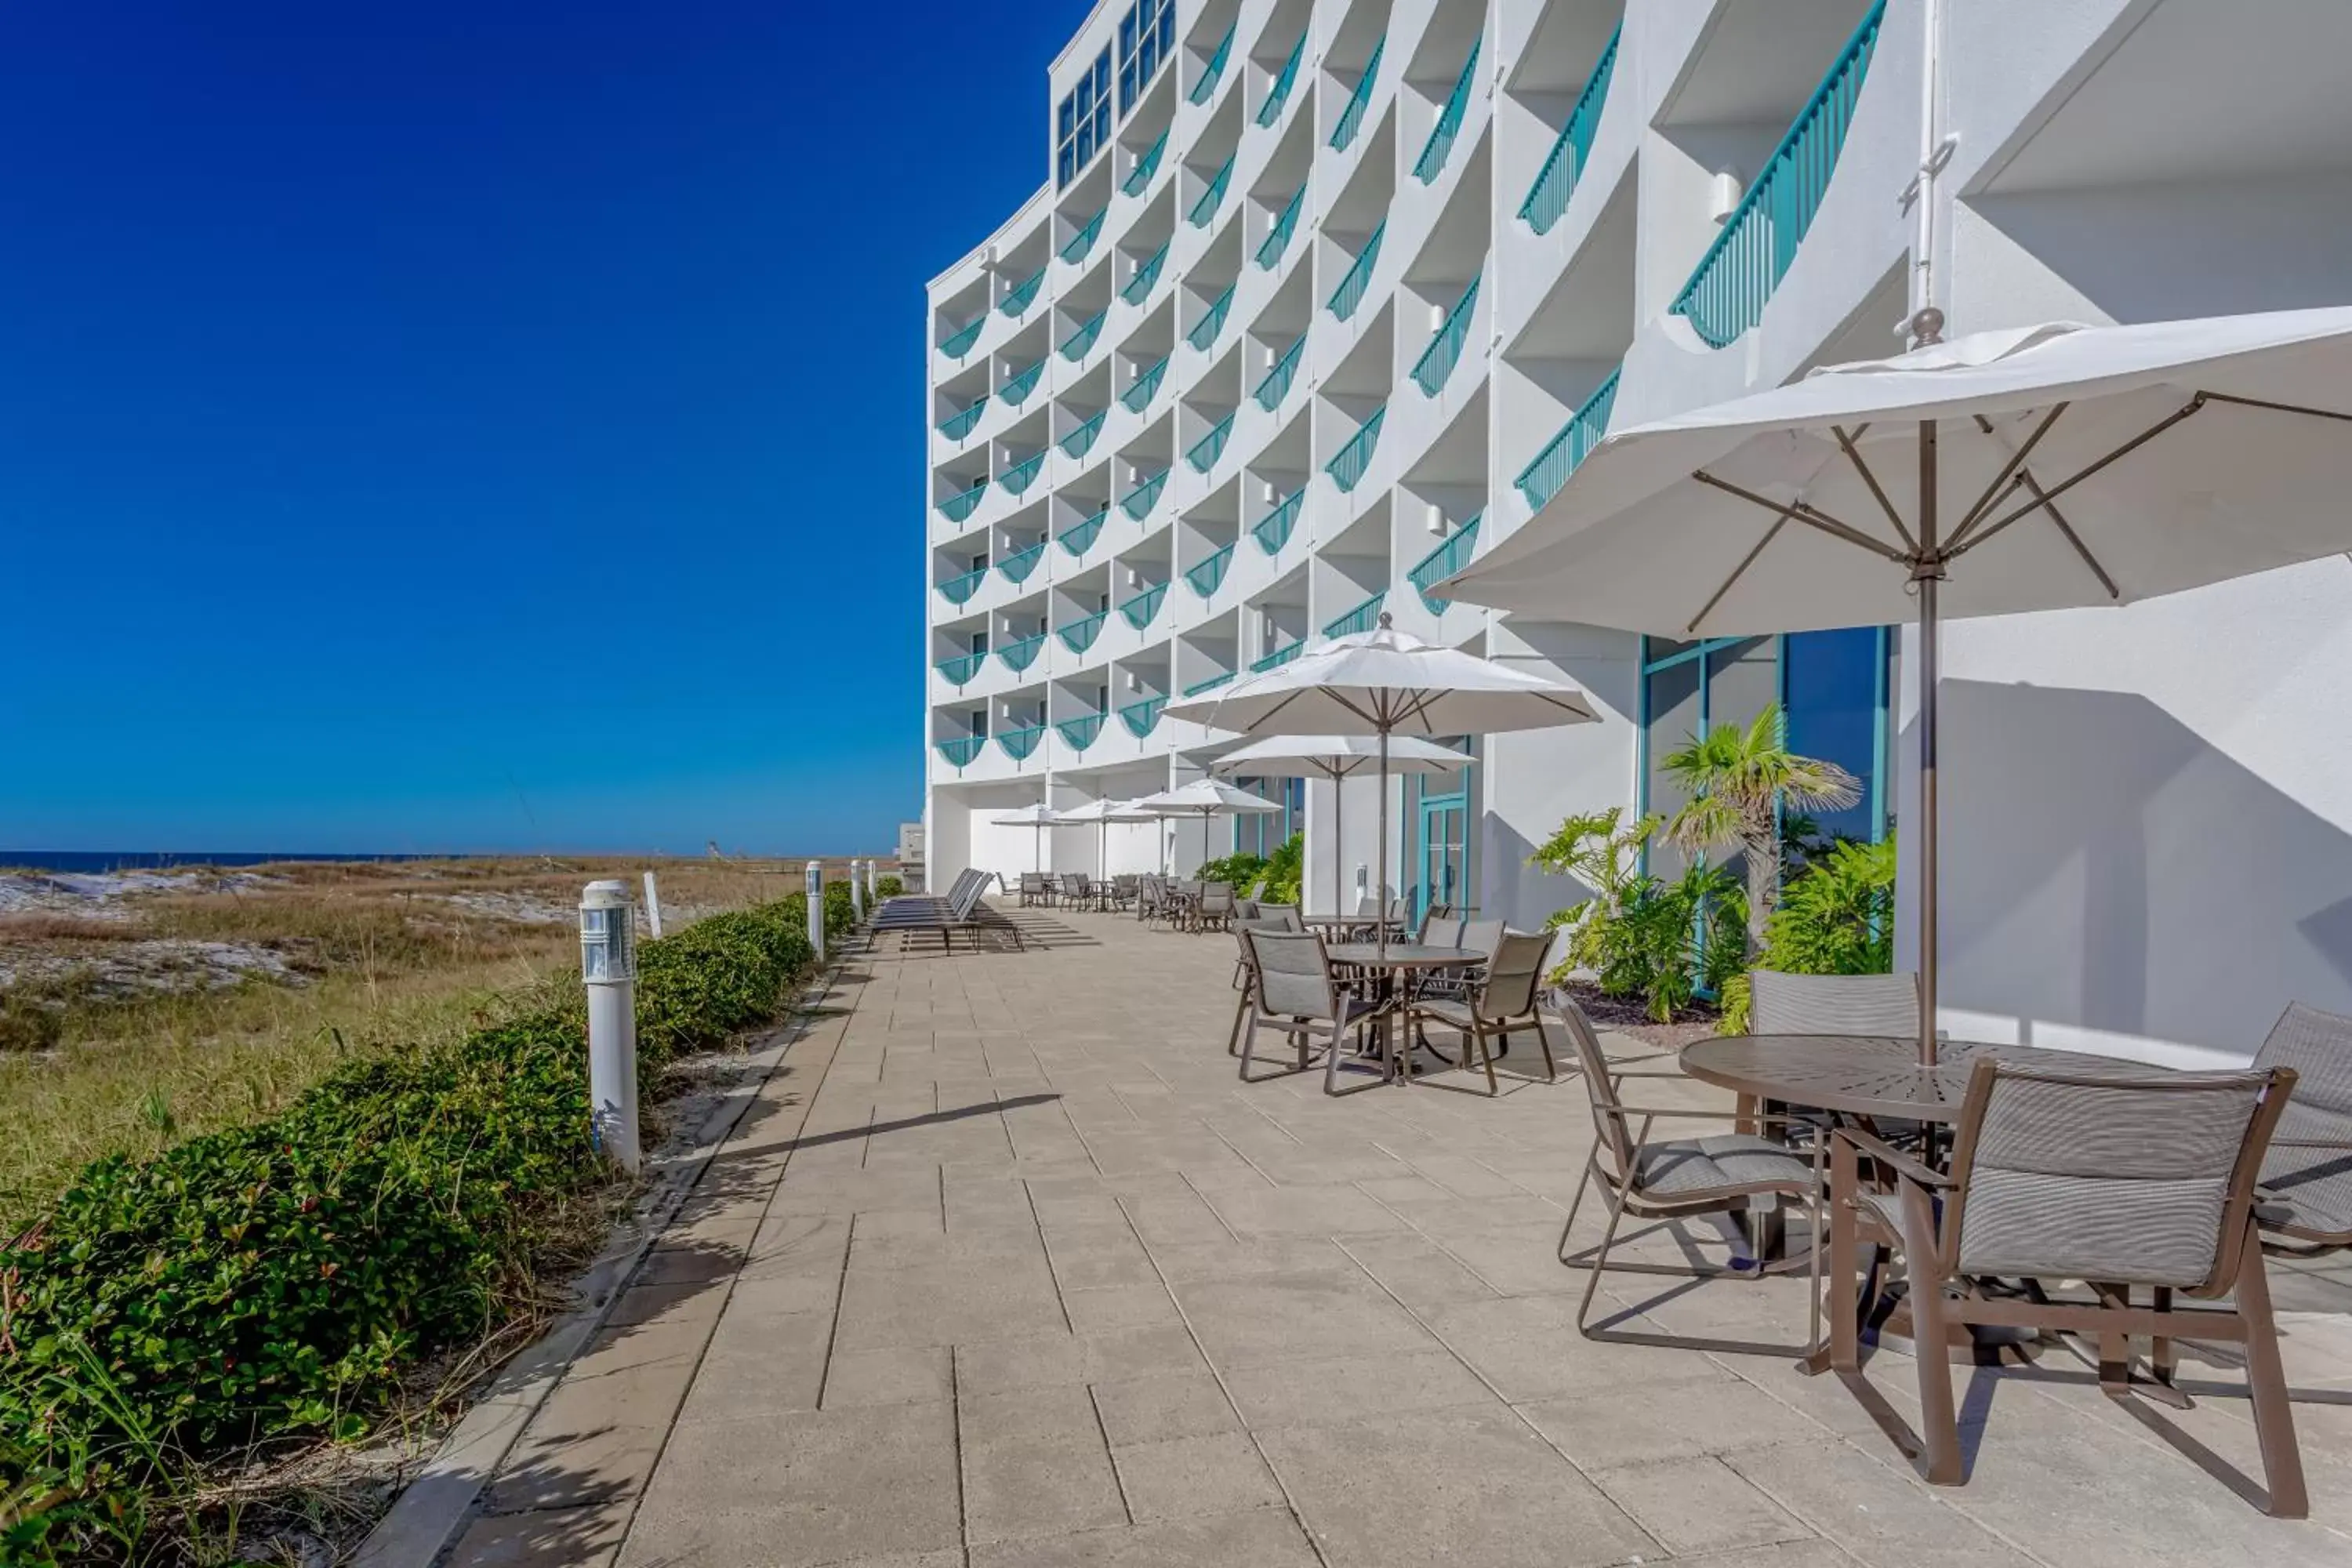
1263,833
1081,126
1146,41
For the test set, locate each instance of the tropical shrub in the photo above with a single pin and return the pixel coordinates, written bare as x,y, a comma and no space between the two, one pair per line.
890,888
1836,917
1596,852
1242,870
1279,883
1640,935
1739,782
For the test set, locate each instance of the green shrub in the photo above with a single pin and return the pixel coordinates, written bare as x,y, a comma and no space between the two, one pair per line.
1241,870
1836,917
1279,883
889,887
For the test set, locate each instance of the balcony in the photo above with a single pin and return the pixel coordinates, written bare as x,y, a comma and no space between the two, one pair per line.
1728,292
1205,209
1080,732
1080,538
1023,295
1139,179
1278,238
1081,439
1082,244
1556,181
1276,384
1211,684
1209,574
1362,618
1080,634
958,752
1146,276
957,344
1214,72
1347,468
1138,502
1350,291
1017,479
1017,566
1204,331
1022,652
1017,743
1444,351
959,505
1351,119
1283,80
1205,451
1018,387
1142,718
960,671
956,426
1272,532
1076,347
1140,610
1440,145
1137,397
1541,480
1444,562
1278,657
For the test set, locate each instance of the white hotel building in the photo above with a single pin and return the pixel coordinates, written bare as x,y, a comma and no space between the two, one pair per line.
1319,297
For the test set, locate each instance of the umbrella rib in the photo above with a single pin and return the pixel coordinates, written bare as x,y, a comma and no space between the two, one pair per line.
2043,497
1854,456
2274,407
1737,572
2003,482
2026,477
1811,517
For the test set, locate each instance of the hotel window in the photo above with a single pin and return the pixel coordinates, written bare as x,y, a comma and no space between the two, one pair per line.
1082,127
1263,833
1146,41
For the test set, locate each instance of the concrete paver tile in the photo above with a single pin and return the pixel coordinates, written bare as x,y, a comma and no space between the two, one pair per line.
1185,1477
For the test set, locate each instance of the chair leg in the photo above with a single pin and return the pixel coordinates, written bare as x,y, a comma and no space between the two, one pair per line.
1845,1334
1234,1035
1551,1071
1939,1421
1600,1261
1486,1054
2163,1359
2266,1382
1591,1165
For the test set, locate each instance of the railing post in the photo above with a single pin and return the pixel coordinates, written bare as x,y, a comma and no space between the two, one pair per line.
608,963
813,883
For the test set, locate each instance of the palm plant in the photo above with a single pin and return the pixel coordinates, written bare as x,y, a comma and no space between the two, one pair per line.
1738,781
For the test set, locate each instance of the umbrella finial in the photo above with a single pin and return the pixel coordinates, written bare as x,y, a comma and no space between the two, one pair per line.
1926,327
1385,622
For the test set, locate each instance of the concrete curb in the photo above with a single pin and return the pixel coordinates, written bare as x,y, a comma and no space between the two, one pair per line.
434,1508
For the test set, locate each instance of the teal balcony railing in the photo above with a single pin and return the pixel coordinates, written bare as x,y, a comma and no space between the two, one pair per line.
1362,618
1023,295
1020,384
1142,718
1138,502
1076,345
1019,742
1139,177
1211,684
1204,452
1204,331
1351,119
1541,480
1080,634
1444,351
1444,562
1211,573
1556,181
1138,396
1278,93
957,344
960,752
1146,278
1214,71
1278,238
1279,657
1727,290
1272,530
958,590
1021,652
1081,441
1080,732
1276,384
956,426
1017,479
1082,244
1440,145
1212,197
960,670
1017,566
1081,538
1347,467
957,507
1350,291
1140,609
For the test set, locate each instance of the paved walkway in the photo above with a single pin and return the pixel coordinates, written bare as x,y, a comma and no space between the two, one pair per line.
1004,1267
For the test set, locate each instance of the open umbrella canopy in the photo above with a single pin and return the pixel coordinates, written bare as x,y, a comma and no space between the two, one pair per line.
1208,797
1038,815
1098,811
1339,757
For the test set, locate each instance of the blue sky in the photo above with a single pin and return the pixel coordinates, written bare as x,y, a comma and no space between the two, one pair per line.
479,425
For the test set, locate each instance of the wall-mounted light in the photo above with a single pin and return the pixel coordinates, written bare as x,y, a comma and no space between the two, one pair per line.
1436,317
1437,520
1723,194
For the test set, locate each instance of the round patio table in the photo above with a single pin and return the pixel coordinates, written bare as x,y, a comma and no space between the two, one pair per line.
1396,963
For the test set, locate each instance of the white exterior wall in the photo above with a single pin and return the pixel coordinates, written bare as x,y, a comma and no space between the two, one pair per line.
2145,810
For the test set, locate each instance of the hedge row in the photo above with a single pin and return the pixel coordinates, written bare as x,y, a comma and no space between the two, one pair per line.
275,1282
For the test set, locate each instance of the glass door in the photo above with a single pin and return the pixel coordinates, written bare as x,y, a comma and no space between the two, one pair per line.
1444,852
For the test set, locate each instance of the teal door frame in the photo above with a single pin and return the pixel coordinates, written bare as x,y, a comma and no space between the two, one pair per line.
1443,857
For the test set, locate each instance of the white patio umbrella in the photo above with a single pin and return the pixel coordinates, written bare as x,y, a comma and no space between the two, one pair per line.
1385,683
2032,470
1102,813
1203,798
1337,757
1036,818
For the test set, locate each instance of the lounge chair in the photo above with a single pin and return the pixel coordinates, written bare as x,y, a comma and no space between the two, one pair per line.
2306,1181
1502,1000
965,912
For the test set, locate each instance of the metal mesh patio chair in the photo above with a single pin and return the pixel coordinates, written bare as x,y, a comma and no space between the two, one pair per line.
1501,1002
2306,1181
1784,1003
1293,992
2129,1179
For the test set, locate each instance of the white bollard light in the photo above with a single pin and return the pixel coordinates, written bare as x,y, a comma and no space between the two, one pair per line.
653,905
608,963
813,879
857,892
873,887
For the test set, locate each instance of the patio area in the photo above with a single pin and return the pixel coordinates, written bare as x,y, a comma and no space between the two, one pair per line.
1006,1267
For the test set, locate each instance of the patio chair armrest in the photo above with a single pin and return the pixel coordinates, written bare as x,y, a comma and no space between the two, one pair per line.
1688,1114
2342,1143
1903,1165
2268,1212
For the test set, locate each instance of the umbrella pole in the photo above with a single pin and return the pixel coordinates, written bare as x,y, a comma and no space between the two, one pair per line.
1930,578
1338,782
1380,886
